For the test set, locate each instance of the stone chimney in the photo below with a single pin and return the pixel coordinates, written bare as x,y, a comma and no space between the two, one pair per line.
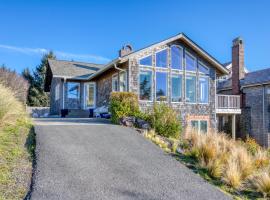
125,50
238,71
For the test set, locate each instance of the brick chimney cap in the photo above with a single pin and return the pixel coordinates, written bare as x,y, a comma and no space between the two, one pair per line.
238,40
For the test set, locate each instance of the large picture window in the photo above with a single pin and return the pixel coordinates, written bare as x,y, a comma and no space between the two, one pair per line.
190,63
176,57
191,89
146,61
176,81
161,86
204,89
73,90
123,81
161,58
145,85
203,69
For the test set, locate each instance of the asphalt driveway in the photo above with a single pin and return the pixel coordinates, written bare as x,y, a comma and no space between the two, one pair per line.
91,159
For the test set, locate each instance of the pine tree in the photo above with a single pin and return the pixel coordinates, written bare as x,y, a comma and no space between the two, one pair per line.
37,96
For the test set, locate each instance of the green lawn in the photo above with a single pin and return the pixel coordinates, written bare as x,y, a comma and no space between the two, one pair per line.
17,144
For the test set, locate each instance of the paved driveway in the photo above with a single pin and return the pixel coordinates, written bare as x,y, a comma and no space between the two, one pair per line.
84,159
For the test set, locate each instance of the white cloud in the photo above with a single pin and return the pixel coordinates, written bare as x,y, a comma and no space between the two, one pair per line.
59,54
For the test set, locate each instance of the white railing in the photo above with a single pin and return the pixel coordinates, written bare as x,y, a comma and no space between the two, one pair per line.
228,101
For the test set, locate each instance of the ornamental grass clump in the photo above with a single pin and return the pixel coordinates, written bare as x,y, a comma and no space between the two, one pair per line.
261,183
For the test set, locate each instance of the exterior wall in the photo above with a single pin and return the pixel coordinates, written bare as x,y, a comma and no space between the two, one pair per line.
257,112
104,85
56,96
188,111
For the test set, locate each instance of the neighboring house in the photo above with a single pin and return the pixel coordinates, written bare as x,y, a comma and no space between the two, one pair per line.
254,89
175,70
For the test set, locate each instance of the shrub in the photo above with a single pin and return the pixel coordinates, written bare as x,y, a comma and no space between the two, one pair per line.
261,182
251,145
10,108
261,159
123,104
165,121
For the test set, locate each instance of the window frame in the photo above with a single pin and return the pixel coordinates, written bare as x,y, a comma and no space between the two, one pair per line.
182,78
146,69
86,94
204,65
125,80
149,66
167,60
115,75
193,75
167,77
199,125
196,62
199,90
182,63
79,90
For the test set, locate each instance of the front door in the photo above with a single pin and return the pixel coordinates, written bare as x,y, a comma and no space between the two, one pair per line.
90,95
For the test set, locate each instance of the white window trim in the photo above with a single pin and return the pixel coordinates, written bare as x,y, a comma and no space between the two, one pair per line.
152,96
208,78
194,75
113,76
167,80
182,50
196,66
148,66
167,64
85,94
182,96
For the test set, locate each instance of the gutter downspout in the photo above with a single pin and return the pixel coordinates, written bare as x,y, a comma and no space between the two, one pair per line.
115,66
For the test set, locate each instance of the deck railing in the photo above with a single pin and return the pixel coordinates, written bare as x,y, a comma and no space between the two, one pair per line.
228,101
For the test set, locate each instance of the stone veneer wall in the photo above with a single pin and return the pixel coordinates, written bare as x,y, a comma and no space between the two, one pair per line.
188,111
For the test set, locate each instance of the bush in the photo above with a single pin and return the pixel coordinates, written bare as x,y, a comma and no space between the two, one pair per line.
251,145
165,121
123,104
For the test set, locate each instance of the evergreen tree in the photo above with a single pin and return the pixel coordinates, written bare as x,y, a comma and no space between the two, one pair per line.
36,94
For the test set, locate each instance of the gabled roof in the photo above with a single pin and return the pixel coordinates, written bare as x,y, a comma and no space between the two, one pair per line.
181,36
256,77
73,70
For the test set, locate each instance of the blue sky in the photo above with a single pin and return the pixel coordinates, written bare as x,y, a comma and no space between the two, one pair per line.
94,31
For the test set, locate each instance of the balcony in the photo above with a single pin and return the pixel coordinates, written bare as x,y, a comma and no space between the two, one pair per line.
228,104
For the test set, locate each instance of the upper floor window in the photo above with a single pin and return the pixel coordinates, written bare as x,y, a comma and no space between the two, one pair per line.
203,69
146,85
115,83
204,89
146,61
176,57
176,81
73,90
161,86
123,81
191,89
190,62
161,58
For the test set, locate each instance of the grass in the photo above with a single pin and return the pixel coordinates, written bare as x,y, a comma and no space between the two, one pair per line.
17,144
237,168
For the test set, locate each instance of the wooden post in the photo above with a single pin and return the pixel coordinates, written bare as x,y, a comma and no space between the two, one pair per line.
233,127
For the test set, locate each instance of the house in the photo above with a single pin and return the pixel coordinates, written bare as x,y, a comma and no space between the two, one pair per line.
176,70
254,89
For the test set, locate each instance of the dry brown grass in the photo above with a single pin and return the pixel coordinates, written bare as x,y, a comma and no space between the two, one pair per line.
261,182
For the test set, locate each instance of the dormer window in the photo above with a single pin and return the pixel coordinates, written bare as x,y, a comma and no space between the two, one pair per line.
146,61
190,63
161,59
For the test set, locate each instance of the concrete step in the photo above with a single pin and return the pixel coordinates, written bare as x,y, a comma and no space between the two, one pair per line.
78,114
